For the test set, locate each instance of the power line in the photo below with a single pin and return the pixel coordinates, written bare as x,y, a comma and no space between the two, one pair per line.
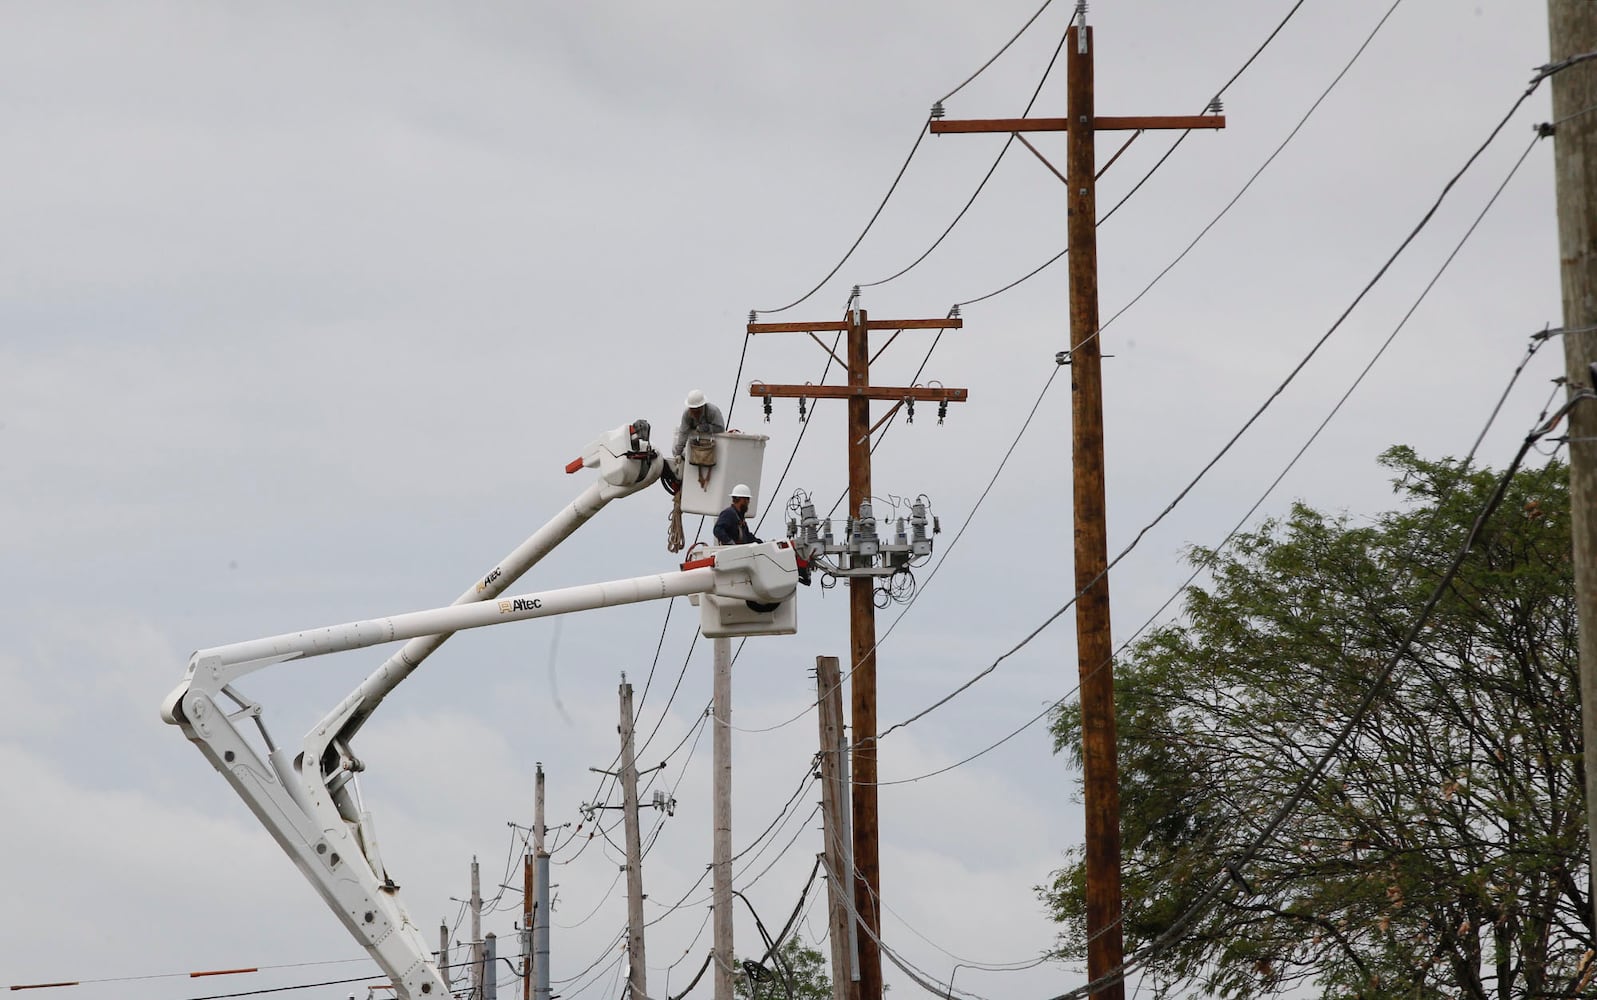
924,129
1234,865
1290,464
987,177
193,975
1270,399
282,989
896,179
1213,102
983,69
1255,176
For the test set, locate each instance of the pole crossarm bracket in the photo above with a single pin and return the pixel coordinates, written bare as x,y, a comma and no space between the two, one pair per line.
918,392
1099,124
837,325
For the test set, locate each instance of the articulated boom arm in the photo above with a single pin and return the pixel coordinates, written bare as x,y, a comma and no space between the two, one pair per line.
308,800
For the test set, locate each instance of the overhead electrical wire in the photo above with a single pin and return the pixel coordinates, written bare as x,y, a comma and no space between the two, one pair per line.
284,989
920,137
193,975
600,795
1225,880
1019,965
1534,346
782,818
620,936
971,79
1255,175
780,821
924,129
1496,410
1421,226
605,898
1270,399
1213,102
1387,343
1004,150
1025,425
1239,524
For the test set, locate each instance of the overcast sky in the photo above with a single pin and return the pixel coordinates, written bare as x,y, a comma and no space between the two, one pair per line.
304,307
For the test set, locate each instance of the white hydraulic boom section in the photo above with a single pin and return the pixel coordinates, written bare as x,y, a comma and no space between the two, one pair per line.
308,800
335,849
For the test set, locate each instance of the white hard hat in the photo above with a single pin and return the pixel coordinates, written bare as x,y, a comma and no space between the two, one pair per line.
695,399
741,490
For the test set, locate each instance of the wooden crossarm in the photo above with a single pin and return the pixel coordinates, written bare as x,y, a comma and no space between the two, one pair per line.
950,125
919,392
827,325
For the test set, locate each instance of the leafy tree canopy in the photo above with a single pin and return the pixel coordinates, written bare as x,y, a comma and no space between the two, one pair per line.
1443,853
795,966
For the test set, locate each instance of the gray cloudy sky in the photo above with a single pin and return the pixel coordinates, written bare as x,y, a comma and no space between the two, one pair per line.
303,307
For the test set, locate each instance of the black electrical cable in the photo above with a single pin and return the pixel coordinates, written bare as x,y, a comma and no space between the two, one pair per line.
1292,463
1279,389
1151,171
1224,883
1008,142
925,128
283,989
1255,176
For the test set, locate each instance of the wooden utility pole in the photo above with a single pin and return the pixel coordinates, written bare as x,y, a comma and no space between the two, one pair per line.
829,698
1572,25
637,970
861,589
529,884
540,932
1094,645
446,968
476,931
721,836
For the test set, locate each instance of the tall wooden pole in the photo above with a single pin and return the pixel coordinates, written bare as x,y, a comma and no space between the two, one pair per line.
540,932
721,848
859,392
1573,27
829,698
1094,646
529,896
529,882
637,969
862,692
476,930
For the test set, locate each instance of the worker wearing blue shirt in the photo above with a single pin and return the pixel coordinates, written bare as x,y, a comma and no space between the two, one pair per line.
732,527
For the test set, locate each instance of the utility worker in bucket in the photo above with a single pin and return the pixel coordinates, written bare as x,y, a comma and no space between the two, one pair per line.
700,418
732,527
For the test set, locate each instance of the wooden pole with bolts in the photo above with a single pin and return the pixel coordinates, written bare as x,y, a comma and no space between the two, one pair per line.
1572,25
721,846
529,881
476,931
637,969
856,325
829,699
1094,643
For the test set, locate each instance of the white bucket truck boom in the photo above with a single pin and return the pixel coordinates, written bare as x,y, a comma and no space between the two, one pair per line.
307,799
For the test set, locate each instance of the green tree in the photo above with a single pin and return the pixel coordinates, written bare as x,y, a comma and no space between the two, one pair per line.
795,966
1443,853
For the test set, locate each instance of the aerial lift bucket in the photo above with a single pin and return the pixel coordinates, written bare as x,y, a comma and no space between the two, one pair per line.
738,459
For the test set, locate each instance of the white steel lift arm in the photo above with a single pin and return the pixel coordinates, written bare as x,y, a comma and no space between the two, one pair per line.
321,828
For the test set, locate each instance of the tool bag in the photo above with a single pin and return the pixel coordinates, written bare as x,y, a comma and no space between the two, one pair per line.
701,453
